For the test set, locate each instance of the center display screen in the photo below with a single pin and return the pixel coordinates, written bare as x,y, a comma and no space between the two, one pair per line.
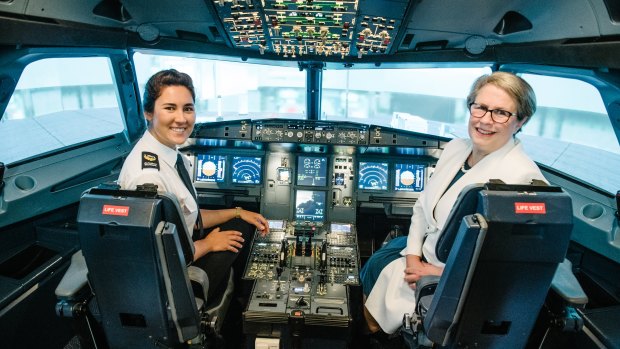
312,171
310,205
246,170
210,168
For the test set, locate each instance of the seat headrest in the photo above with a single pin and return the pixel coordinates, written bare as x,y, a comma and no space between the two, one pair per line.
467,204
165,203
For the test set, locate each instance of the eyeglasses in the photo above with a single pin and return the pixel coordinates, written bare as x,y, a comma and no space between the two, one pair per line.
498,115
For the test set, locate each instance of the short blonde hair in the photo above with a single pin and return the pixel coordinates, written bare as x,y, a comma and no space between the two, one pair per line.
520,91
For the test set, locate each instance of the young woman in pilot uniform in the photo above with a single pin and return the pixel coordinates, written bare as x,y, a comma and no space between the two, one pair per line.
169,108
499,105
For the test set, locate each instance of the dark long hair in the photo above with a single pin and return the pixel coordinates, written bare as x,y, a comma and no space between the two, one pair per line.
164,78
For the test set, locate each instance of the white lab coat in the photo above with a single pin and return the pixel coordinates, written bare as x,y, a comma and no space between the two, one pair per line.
391,297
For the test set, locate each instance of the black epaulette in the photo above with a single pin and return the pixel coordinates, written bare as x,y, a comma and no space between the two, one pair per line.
150,160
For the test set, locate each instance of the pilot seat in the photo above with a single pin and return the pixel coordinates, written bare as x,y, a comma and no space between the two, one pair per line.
132,285
502,245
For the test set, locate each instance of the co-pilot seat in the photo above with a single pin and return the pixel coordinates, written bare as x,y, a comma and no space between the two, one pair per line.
502,245
137,252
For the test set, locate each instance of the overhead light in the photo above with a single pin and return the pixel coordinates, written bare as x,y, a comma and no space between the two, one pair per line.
475,44
148,32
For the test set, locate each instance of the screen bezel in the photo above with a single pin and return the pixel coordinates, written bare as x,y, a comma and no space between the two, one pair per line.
232,165
324,193
395,180
359,175
326,169
198,168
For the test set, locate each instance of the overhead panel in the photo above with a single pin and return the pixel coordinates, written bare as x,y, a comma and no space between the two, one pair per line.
301,28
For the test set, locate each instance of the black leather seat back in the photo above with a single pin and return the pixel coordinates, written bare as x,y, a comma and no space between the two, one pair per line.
137,267
499,270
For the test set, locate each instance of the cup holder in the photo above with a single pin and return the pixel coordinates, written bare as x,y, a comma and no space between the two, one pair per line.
592,211
25,183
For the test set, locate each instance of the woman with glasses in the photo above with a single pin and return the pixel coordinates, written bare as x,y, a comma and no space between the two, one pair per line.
499,105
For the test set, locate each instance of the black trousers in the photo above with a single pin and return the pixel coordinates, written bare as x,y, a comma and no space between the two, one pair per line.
217,265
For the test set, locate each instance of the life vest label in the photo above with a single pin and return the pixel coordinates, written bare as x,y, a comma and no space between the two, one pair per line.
115,210
530,207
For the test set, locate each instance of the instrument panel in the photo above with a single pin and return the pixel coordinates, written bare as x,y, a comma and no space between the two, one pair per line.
310,170
313,174
312,180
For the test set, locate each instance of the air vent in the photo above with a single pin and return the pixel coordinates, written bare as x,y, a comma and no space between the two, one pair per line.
512,22
431,45
112,9
588,40
215,34
407,40
613,7
193,36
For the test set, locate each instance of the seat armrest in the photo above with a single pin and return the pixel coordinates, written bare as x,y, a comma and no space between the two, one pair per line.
426,285
200,282
566,285
75,278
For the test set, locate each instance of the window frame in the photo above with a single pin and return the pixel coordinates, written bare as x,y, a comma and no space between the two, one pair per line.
12,67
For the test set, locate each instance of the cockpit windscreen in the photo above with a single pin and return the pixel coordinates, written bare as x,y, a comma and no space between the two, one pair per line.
310,205
246,170
409,177
373,175
210,168
312,171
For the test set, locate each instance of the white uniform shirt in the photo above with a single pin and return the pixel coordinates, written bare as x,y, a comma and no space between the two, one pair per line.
152,162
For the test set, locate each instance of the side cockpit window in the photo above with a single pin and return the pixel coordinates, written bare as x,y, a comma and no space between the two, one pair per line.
571,131
58,103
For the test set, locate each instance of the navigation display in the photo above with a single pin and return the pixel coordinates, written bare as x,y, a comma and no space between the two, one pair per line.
210,168
373,175
312,171
310,205
246,170
409,177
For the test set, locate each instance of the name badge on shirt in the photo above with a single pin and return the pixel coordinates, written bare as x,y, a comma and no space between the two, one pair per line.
150,160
